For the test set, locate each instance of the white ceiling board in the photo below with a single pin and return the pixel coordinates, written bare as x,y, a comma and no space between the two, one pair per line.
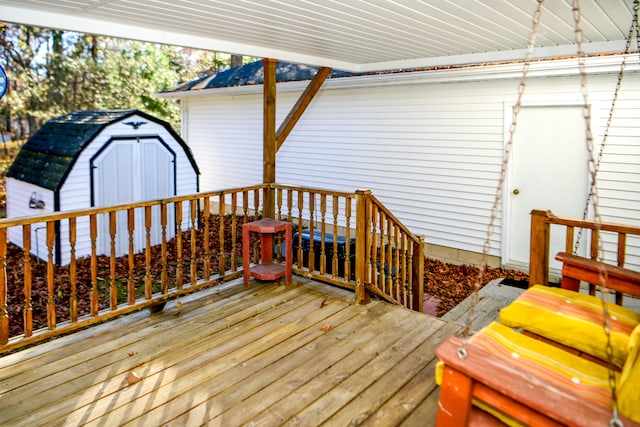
353,35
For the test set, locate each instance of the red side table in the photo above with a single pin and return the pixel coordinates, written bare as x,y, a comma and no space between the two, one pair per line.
266,269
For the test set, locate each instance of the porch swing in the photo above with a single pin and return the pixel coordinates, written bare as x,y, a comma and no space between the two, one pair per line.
502,376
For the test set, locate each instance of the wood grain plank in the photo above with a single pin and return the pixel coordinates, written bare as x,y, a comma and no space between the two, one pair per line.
100,372
392,398
214,368
64,358
387,359
255,394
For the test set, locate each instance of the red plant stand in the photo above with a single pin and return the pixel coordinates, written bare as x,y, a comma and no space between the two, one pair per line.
266,269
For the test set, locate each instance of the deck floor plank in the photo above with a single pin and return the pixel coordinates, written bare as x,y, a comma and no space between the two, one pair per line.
268,355
125,353
203,361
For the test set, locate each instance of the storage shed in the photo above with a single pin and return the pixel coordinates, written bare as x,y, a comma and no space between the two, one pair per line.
98,158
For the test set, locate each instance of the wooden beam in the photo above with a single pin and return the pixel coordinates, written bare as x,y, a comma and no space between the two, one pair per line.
269,134
303,102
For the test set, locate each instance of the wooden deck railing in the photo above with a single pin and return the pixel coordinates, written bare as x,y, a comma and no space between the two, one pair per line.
615,236
190,242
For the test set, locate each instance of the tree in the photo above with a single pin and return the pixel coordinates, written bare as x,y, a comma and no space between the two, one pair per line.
53,72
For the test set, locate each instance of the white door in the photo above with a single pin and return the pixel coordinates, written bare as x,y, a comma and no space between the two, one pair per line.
127,171
549,170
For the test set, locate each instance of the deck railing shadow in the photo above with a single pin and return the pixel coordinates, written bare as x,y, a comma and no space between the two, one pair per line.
96,264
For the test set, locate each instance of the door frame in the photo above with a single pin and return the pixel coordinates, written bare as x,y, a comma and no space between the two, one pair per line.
117,138
575,101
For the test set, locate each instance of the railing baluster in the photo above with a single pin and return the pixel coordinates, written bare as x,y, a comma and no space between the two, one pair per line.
4,312
402,269
245,206
178,206
312,252
221,259
163,226
300,228
234,232
207,249
289,204
347,261
334,258
131,288
323,231
279,203
620,259
148,278
73,303
51,304
93,232
568,246
194,247
28,304
622,249
113,290
372,261
394,271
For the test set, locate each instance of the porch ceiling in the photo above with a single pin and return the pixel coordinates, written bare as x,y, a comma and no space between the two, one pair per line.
352,35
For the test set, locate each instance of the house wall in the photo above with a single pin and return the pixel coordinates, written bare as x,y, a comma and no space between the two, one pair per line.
431,151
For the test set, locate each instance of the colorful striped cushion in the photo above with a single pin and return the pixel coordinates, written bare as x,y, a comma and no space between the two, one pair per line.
629,387
572,319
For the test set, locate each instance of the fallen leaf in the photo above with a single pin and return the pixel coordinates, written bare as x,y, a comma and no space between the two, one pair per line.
133,377
178,304
133,353
178,314
323,304
326,328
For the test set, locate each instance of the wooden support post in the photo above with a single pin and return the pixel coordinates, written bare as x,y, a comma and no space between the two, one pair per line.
362,222
539,247
269,136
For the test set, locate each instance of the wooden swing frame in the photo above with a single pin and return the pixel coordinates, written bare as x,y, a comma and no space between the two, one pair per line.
521,393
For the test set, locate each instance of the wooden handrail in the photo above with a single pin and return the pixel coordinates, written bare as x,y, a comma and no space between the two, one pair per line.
577,268
121,281
541,222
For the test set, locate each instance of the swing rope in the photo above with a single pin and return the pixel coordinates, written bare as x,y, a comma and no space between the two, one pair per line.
593,191
462,351
633,29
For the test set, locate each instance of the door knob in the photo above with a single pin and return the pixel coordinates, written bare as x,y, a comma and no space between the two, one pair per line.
516,191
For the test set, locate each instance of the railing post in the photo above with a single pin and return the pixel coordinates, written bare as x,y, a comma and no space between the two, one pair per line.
418,275
539,247
362,224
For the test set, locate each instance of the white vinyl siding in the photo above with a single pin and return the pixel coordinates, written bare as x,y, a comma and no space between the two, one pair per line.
432,152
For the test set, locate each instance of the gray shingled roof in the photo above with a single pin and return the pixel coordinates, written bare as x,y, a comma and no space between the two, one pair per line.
48,156
253,74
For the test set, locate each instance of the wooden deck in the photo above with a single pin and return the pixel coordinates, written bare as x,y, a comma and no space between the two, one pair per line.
303,354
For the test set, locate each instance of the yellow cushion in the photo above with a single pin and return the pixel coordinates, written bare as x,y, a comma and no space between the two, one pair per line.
629,387
572,319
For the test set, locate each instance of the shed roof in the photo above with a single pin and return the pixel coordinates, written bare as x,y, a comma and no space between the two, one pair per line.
48,156
253,74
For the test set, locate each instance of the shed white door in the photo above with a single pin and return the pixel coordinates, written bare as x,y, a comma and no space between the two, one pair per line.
549,170
133,170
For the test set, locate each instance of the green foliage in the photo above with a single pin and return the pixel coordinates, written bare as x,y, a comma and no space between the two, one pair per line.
52,72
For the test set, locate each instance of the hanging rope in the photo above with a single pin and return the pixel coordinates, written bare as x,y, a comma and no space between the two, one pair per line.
632,29
593,191
462,351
